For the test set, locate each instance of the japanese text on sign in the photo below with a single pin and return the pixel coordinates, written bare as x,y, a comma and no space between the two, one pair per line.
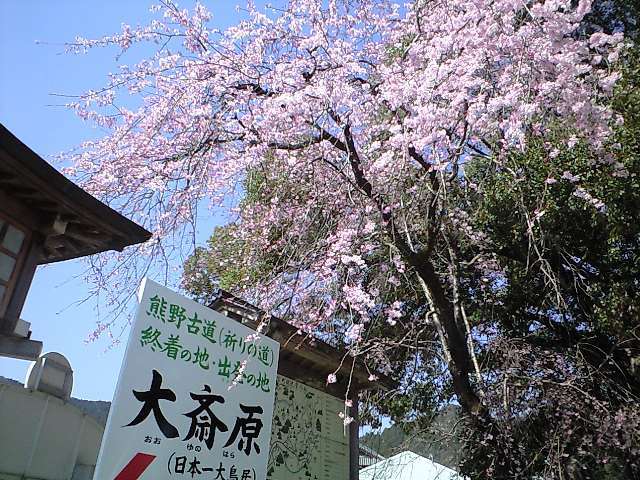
196,392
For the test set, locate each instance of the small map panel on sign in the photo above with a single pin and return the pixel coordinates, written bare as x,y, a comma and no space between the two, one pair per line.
307,437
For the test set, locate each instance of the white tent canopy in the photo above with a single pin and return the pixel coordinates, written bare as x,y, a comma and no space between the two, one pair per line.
408,466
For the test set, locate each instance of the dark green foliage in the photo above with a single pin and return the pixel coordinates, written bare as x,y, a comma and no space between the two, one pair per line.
563,305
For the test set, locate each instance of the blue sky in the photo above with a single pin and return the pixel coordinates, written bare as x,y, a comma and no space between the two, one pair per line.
31,72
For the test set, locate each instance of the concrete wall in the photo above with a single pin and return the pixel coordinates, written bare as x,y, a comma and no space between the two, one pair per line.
45,438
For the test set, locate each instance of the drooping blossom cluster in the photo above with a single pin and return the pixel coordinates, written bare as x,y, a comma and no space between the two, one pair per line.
287,95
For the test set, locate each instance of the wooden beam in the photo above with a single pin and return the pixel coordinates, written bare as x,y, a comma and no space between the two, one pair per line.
26,268
75,246
21,348
9,180
23,193
86,236
290,366
20,213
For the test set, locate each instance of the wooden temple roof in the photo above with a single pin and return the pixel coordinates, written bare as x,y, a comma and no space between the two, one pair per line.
73,222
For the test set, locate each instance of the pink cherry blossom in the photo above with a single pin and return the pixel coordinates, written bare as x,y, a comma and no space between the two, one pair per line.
343,115
354,332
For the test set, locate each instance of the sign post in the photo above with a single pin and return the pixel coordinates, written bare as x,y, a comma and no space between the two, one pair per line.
194,398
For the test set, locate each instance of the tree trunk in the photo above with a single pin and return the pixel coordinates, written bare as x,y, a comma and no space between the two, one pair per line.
454,343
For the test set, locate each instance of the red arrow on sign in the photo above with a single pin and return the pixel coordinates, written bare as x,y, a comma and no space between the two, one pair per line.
135,467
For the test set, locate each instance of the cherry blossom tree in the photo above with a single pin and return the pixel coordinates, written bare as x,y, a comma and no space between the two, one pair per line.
344,136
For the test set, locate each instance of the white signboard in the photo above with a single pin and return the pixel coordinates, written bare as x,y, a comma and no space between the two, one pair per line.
194,398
